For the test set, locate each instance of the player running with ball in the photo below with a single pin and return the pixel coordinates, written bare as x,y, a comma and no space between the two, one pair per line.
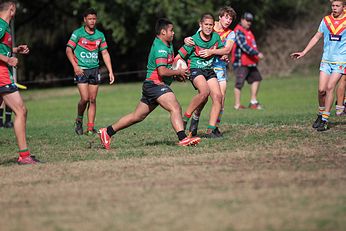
156,90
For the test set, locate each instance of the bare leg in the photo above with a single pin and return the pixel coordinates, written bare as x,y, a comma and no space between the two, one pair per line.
237,95
170,103
254,90
16,103
322,88
203,93
216,97
93,89
333,81
84,98
340,91
223,88
141,112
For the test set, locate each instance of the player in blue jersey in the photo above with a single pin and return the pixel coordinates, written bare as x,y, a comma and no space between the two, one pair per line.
333,64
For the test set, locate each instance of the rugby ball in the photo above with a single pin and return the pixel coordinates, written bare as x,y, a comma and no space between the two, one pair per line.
179,64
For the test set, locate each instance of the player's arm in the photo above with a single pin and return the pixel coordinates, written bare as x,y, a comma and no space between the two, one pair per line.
220,51
241,42
164,71
11,61
77,70
313,41
21,49
107,59
229,43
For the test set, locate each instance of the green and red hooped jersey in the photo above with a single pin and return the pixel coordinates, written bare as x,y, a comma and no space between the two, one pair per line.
5,49
160,55
192,52
86,47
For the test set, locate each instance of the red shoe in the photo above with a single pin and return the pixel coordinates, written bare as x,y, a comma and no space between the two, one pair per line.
240,107
189,141
27,160
255,106
104,138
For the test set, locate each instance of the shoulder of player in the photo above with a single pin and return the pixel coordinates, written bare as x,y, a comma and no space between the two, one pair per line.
99,33
215,36
4,25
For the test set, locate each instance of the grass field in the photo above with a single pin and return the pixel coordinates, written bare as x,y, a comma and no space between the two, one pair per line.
271,171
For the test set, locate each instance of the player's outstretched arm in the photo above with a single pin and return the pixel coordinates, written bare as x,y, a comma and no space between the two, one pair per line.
21,49
107,59
313,41
221,51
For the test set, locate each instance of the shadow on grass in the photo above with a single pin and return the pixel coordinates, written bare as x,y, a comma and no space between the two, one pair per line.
8,162
161,142
334,124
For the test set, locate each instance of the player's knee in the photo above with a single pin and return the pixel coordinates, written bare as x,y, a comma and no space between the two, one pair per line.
21,111
138,118
322,92
92,100
217,97
204,95
83,101
176,110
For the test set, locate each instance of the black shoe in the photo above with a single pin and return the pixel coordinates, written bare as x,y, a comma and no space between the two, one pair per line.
317,122
213,134
217,132
193,127
79,127
8,124
323,126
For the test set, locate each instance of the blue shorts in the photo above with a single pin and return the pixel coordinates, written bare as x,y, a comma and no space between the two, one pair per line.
330,68
221,73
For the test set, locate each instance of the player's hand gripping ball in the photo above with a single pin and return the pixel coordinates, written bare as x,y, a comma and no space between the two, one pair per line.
179,64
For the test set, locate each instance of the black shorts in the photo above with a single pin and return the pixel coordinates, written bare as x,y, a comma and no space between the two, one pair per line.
250,74
10,88
207,73
151,91
91,76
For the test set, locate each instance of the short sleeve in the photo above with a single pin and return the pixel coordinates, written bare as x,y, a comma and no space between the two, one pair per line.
231,36
72,42
185,51
103,45
320,28
160,57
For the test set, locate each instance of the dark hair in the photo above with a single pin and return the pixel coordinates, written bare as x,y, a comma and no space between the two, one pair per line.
228,10
4,4
162,24
207,16
89,11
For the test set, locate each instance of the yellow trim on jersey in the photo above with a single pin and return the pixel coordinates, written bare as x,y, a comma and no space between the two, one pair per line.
332,27
324,61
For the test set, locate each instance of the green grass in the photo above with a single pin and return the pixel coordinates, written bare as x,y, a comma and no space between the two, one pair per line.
287,102
271,171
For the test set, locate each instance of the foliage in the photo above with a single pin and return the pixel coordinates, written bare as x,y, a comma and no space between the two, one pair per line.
128,25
